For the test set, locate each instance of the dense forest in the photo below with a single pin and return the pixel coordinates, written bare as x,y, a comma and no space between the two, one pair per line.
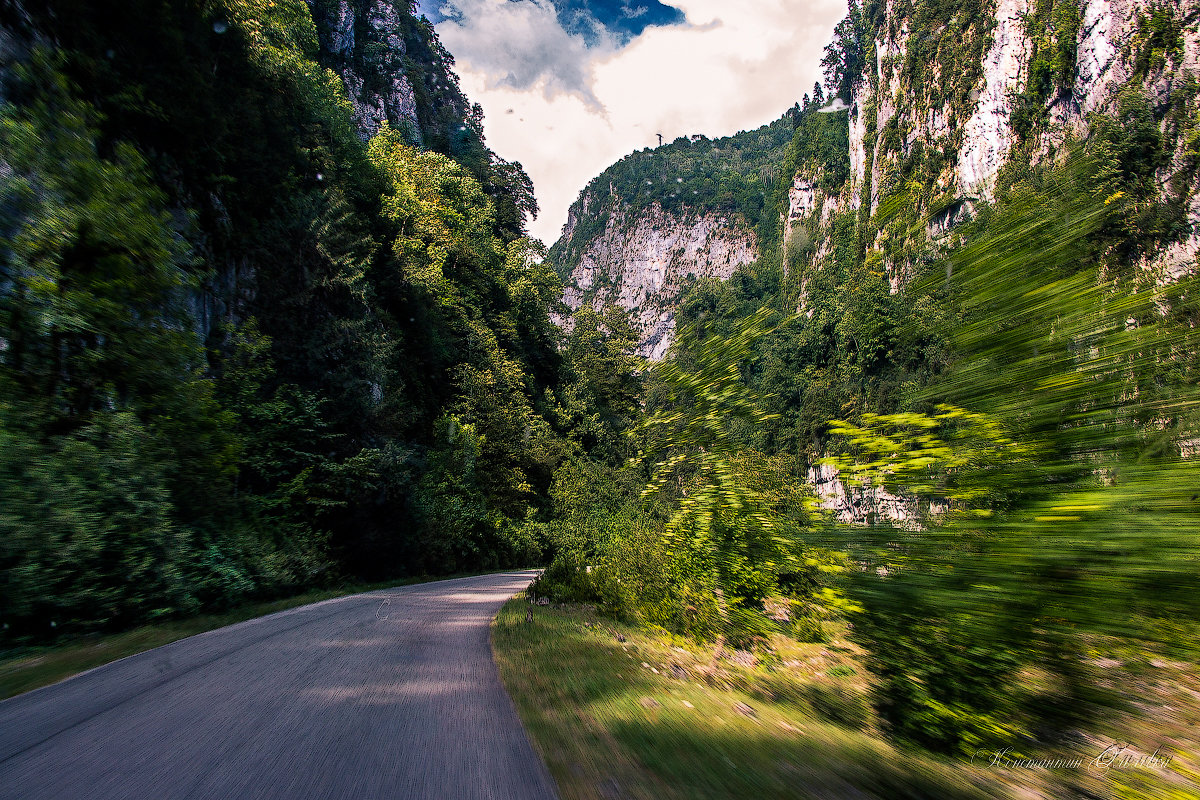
247,346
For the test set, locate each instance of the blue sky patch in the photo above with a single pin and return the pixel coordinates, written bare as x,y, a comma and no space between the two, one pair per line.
623,20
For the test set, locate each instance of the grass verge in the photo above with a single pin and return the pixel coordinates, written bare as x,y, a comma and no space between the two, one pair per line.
618,711
28,668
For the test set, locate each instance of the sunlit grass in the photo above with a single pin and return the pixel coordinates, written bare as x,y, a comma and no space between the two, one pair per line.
649,717
621,711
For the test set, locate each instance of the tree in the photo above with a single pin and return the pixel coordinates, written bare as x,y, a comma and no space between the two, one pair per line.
1066,510
843,60
722,529
607,380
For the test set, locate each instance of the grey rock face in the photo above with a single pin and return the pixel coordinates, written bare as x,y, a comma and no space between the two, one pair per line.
987,135
372,67
642,261
853,504
1105,49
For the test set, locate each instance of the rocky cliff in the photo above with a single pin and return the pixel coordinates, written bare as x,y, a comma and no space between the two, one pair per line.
692,209
948,107
367,49
948,103
394,69
641,262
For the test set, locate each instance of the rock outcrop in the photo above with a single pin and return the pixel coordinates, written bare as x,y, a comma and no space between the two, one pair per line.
367,50
853,504
642,260
691,208
965,107
987,135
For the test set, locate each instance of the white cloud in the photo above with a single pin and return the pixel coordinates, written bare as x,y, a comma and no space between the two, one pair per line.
521,45
733,67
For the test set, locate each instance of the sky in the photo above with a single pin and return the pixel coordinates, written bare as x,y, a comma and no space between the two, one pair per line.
570,86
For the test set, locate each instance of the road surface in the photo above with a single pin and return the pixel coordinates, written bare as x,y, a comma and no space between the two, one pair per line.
389,694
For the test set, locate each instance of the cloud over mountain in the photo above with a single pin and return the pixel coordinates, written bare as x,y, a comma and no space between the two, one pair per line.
591,80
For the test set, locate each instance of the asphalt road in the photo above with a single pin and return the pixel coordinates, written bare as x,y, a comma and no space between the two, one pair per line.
350,698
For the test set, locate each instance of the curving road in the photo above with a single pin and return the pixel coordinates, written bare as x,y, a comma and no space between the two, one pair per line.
349,698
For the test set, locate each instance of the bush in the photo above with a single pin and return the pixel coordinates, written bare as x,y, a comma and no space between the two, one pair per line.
944,685
748,628
567,580
88,539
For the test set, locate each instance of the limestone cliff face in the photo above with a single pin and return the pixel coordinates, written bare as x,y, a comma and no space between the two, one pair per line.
852,504
367,49
987,135
971,110
692,207
640,261
945,106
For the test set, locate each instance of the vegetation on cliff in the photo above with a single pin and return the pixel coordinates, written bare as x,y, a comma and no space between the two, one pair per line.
243,351
735,175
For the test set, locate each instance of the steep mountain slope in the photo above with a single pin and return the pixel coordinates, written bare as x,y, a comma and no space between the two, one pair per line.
946,105
268,315
951,104
694,208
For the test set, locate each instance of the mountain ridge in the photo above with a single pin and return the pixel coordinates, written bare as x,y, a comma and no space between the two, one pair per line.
943,105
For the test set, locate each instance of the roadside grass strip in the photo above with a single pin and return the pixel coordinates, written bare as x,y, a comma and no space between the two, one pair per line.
619,711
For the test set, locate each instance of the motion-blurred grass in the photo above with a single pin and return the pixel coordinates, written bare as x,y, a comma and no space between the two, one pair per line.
651,717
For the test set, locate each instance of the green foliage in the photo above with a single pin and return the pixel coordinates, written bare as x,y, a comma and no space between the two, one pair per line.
730,536
736,174
690,434
605,396
944,684
1159,41
94,285
281,40
1063,491
1133,146
718,529
944,64
440,212
229,328
110,430
87,530
456,524
489,302
845,55
1053,31
952,457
